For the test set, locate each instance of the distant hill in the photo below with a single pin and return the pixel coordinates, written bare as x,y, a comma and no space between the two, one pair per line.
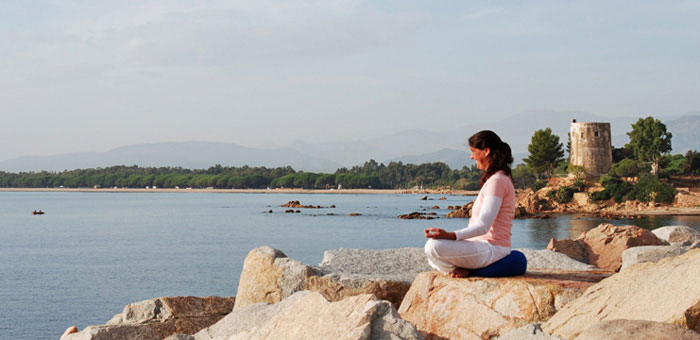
192,155
410,146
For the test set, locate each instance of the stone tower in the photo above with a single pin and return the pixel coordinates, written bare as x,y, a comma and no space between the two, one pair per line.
591,146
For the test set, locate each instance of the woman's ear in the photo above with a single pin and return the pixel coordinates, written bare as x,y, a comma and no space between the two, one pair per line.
487,151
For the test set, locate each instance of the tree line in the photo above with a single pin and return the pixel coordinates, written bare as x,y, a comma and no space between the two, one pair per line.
395,175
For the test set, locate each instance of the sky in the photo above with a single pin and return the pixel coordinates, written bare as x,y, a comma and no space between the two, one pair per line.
81,76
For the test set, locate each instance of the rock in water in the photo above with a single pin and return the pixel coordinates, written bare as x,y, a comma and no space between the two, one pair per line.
637,329
308,315
480,308
666,291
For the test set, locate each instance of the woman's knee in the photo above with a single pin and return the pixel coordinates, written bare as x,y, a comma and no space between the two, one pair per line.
430,246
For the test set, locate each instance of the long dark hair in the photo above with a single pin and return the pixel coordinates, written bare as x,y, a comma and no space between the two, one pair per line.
500,158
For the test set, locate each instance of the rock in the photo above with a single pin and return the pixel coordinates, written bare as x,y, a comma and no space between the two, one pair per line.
547,259
603,245
442,198
666,291
435,207
69,330
480,308
531,331
424,198
637,329
398,264
650,254
570,248
354,214
158,318
308,315
416,216
297,204
463,212
679,234
270,276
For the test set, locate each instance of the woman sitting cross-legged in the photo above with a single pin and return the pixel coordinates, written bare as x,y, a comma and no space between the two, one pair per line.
487,237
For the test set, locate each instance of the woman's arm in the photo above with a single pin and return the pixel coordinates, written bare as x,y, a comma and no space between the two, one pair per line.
481,224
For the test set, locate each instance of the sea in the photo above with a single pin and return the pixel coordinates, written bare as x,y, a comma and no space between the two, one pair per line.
92,253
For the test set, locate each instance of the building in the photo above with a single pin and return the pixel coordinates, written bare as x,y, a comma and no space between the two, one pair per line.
591,147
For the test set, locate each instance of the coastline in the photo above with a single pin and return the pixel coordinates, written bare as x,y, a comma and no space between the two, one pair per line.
254,191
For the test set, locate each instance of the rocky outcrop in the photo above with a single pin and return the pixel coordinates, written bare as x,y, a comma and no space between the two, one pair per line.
603,246
642,254
480,308
308,315
418,216
270,276
637,329
159,318
464,211
682,235
666,291
297,204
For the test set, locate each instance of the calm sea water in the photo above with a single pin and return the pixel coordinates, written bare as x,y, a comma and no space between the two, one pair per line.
93,253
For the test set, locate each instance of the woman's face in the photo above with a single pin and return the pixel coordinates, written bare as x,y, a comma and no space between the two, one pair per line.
481,157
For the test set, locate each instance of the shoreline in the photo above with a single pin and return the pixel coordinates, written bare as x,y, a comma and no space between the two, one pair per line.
253,191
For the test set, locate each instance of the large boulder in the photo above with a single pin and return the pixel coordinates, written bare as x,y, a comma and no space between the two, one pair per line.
637,329
159,318
480,308
603,245
642,254
308,315
666,291
531,331
270,276
676,234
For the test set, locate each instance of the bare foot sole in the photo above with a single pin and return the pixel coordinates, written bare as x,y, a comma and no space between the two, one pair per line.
70,330
459,273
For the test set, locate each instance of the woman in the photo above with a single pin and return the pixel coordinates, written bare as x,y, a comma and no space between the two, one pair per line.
487,237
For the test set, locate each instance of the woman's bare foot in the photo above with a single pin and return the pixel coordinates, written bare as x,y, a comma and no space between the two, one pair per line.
459,273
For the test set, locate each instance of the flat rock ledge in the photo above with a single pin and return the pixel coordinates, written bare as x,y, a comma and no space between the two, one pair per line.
667,291
158,318
481,308
308,315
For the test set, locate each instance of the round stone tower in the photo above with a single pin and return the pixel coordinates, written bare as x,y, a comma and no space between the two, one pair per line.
591,146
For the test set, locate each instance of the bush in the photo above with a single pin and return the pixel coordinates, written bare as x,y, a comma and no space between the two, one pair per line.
562,195
614,188
626,168
539,184
579,185
649,188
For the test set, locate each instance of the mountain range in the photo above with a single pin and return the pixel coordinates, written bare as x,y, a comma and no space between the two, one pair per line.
409,146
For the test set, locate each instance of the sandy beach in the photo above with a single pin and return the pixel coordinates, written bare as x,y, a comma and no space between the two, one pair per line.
253,191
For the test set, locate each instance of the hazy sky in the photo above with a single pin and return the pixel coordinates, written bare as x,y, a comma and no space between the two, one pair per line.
94,75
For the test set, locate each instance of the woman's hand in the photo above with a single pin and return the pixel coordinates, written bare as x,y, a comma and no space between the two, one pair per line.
438,233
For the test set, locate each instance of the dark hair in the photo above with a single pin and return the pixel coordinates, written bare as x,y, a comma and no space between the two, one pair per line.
500,158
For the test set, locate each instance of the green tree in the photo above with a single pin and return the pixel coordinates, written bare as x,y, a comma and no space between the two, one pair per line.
649,140
546,153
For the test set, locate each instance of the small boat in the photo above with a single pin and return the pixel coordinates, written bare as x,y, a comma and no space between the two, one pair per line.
37,212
